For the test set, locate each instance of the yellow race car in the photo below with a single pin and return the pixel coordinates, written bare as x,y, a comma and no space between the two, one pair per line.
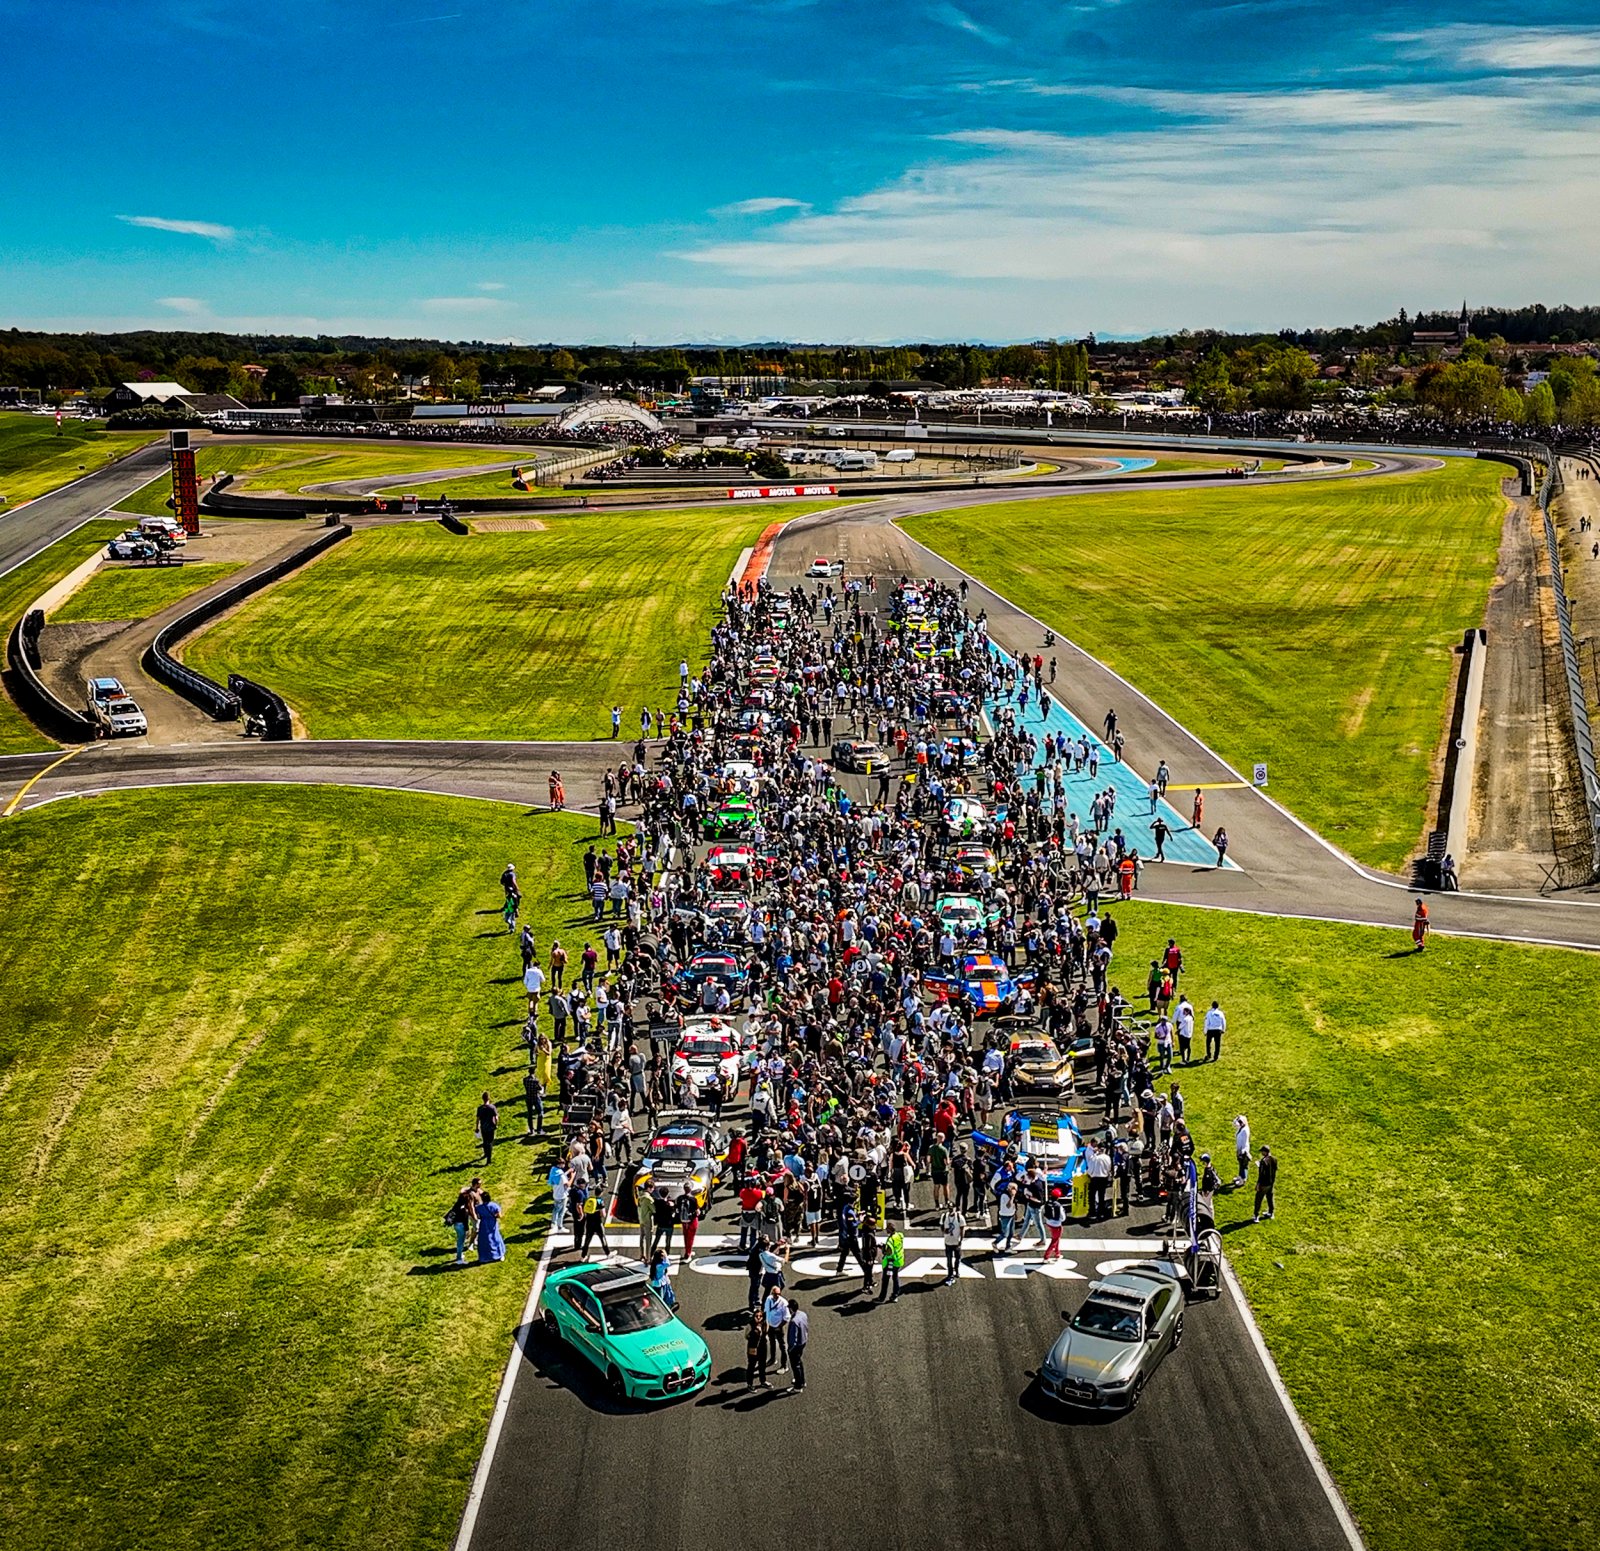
685,1149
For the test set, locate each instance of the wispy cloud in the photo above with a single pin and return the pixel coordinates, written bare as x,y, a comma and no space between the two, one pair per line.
1508,48
954,16
190,305
160,223
462,303
1225,205
491,285
766,206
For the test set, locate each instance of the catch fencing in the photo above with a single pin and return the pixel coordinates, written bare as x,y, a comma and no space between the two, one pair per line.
1582,735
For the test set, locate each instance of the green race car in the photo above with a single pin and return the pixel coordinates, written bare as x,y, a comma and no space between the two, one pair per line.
733,817
616,1319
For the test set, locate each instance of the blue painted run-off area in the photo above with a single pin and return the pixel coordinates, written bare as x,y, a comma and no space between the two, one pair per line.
1132,815
1133,465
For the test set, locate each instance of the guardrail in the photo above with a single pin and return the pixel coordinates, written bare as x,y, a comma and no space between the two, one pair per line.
1582,733
223,705
51,714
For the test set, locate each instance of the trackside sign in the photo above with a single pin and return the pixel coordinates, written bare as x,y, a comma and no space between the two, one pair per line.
761,492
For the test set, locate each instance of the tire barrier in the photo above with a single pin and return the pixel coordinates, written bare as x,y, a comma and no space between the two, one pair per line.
224,705
43,707
266,705
453,524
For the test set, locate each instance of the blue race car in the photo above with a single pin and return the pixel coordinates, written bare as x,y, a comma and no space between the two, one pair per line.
985,979
721,967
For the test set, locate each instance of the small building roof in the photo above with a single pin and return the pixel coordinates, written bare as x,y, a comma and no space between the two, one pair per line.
158,390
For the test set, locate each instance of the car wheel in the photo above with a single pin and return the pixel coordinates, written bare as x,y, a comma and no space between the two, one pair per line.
1135,1393
549,1327
619,1390
1177,1334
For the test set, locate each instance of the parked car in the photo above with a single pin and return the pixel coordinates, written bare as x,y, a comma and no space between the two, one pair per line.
1040,1068
1115,1341
683,1150
823,567
119,717
614,1318
704,1052
132,549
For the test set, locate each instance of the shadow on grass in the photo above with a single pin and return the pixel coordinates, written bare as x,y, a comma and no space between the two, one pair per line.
458,1168
1403,953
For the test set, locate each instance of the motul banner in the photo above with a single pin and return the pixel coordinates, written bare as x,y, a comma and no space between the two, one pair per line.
761,492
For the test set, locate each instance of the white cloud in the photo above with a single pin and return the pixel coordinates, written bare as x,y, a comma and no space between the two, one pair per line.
1245,209
1508,48
191,305
160,223
461,303
491,285
954,16
767,206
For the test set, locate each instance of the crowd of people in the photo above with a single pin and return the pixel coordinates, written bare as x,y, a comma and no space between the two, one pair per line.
875,1083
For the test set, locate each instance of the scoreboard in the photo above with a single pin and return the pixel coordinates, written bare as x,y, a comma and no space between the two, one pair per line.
185,486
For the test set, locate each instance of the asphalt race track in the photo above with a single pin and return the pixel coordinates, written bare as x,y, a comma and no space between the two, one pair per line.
919,1426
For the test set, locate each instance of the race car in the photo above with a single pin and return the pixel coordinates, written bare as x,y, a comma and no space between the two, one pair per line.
722,968
684,1150
823,567
704,1051
742,773
1040,1067
730,913
966,818
985,979
857,754
970,860
965,914
735,815
613,1317
731,867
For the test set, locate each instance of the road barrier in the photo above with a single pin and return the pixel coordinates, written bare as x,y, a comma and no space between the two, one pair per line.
224,705
51,714
1582,734
266,704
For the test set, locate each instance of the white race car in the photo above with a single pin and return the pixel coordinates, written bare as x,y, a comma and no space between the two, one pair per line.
824,567
706,1048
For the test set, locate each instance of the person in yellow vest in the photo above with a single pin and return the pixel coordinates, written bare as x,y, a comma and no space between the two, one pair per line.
894,1259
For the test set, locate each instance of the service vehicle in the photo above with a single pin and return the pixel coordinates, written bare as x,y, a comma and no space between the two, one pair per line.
1115,1341
859,755
823,567
901,455
965,914
613,1317
685,1149
119,717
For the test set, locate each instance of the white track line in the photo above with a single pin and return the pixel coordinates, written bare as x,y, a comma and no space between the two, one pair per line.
480,1478
1352,1535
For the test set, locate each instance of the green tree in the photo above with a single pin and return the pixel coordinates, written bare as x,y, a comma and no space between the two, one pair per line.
282,383
1540,405
1211,386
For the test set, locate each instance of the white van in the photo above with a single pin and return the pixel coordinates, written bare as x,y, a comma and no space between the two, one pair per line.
901,455
854,462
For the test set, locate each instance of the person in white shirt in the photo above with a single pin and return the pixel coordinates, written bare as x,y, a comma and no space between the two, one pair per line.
1241,1148
1185,1029
1216,1027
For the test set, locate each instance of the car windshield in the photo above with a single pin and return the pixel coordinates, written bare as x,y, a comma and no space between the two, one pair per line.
1113,1321
1036,1050
633,1308
675,1147
706,1047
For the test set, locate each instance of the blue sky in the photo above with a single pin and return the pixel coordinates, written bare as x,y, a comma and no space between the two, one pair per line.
588,170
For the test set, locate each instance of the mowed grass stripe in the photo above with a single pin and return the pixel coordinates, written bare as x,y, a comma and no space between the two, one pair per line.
408,631
1310,626
241,1043
131,592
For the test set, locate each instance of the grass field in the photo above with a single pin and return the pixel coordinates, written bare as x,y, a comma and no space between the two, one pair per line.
212,458
36,458
1427,1286
407,631
137,593
241,1054
1310,626
396,459
18,589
